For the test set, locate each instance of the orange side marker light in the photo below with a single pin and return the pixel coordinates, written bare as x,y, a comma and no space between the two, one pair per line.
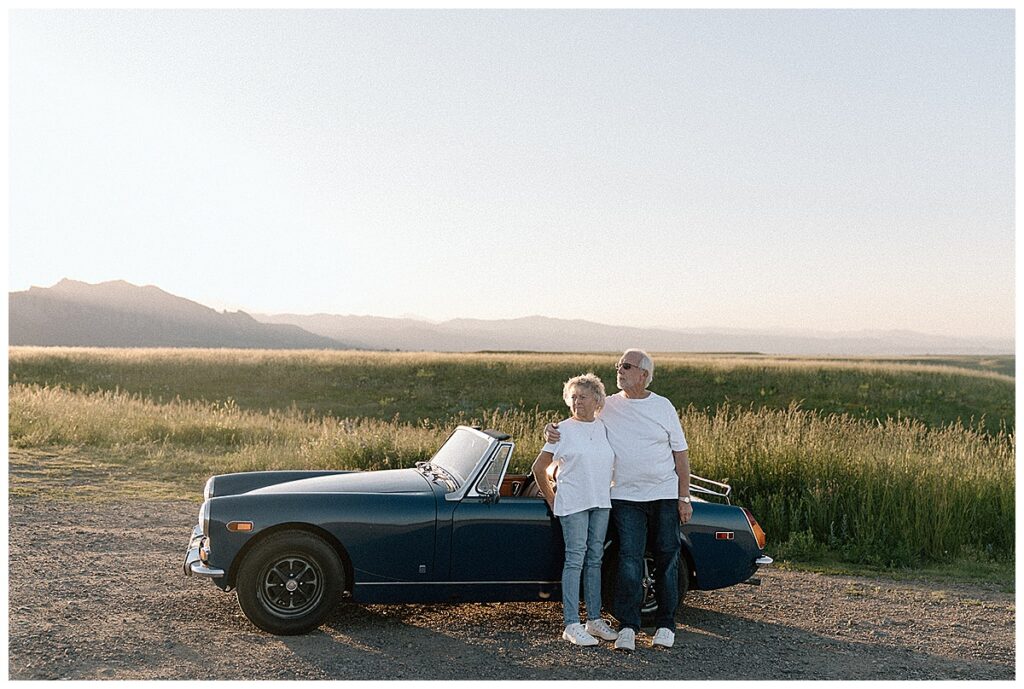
759,534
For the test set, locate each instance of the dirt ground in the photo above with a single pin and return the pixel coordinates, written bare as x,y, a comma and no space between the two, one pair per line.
97,592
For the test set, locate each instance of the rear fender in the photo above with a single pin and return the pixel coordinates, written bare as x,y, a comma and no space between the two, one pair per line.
721,545
686,560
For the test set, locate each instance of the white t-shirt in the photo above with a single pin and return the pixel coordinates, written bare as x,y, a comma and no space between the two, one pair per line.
643,433
585,462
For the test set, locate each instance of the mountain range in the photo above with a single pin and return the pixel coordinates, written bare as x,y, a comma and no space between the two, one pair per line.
120,314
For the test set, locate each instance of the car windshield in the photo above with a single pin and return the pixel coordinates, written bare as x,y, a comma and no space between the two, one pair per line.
460,455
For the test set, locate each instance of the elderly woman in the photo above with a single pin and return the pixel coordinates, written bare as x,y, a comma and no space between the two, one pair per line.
585,461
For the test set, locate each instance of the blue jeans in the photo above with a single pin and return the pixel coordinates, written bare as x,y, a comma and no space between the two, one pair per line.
632,520
583,533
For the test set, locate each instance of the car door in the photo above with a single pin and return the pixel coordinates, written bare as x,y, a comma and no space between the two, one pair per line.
508,540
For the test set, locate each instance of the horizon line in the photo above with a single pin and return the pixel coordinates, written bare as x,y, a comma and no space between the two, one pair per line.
778,331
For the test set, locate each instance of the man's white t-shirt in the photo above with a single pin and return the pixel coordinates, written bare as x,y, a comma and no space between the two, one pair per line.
643,433
585,463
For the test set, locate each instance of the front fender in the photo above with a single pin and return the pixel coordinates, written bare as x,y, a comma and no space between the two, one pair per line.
388,537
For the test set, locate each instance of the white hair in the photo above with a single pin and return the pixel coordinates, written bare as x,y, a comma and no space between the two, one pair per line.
588,381
646,363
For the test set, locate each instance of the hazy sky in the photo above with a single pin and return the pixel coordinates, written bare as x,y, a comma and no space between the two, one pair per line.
833,170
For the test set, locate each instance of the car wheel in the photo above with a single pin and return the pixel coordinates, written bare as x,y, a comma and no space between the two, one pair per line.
649,601
289,582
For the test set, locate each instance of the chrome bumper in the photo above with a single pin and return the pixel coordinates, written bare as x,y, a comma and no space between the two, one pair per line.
763,560
193,562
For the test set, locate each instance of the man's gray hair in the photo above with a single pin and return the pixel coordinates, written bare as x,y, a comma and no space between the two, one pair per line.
646,363
590,383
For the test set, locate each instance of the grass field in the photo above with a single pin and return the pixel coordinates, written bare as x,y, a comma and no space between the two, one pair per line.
417,386
878,463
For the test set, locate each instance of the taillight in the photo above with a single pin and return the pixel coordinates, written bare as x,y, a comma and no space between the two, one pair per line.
759,535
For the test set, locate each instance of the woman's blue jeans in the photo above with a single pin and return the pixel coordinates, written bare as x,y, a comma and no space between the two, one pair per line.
632,521
583,533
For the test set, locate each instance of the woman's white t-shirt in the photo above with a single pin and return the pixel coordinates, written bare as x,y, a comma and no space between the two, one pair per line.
585,463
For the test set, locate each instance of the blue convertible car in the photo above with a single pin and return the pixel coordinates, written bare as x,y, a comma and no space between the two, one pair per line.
453,529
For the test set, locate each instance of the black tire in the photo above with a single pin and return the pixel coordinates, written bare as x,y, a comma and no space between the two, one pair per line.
649,602
289,582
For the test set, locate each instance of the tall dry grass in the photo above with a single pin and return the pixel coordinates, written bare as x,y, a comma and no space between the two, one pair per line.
886,492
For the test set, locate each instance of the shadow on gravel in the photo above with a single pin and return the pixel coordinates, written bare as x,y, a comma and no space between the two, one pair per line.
762,650
395,642
496,641
413,642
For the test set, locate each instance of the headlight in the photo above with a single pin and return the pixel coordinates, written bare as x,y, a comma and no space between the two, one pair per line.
204,517
208,489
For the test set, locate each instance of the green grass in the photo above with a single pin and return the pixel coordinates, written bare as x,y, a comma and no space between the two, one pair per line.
888,494
413,387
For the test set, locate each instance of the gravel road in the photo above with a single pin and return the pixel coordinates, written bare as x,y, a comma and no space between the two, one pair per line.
97,592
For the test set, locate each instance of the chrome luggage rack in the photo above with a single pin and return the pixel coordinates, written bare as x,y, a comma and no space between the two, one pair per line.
705,486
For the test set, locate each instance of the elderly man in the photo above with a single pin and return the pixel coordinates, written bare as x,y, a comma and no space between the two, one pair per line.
651,493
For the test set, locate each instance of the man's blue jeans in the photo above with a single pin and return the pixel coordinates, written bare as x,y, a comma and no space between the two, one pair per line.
583,533
632,520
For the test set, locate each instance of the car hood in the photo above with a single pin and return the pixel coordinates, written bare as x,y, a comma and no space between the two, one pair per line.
388,481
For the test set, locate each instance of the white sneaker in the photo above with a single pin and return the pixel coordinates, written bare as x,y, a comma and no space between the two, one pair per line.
626,640
576,634
663,637
602,630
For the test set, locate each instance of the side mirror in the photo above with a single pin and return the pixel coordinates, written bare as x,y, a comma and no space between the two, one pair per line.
489,493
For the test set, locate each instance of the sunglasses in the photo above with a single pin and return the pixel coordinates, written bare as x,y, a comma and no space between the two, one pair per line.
625,367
